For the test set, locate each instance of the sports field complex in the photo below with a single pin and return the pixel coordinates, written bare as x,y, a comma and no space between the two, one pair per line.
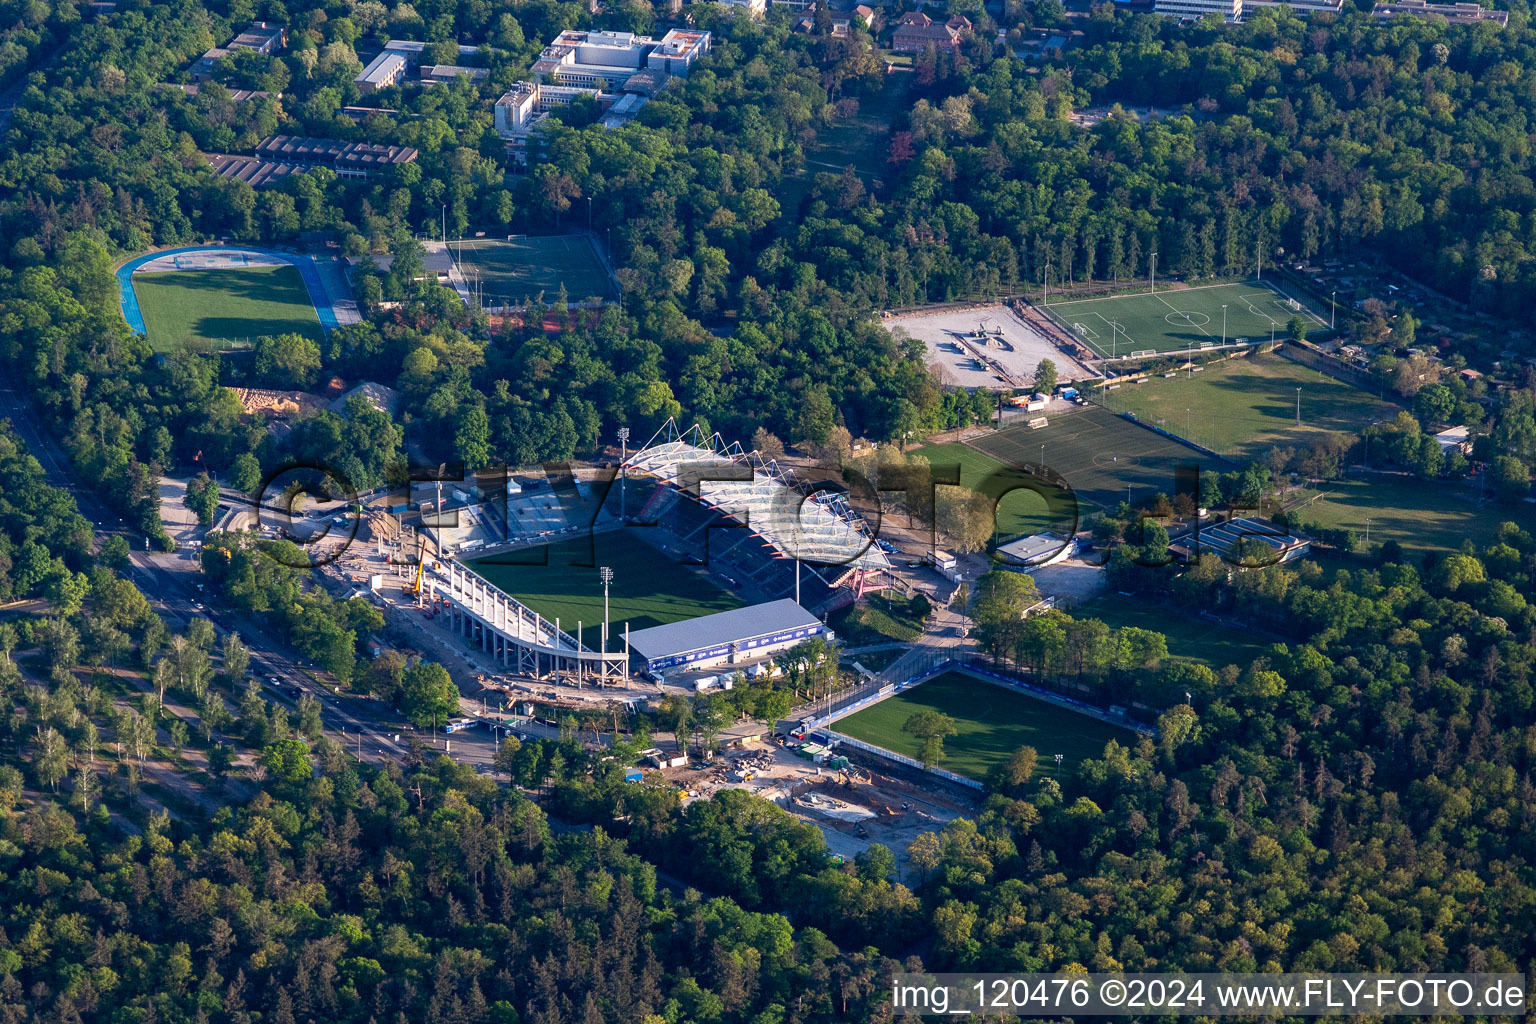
1244,406
1103,458
992,722
220,298
506,272
1179,319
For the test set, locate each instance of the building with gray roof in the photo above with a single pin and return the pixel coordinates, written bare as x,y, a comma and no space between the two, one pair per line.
725,638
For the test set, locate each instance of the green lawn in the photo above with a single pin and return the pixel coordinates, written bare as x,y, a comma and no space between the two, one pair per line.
1178,319
1420,516
649,588
1244,407
1019,512
224,309
1104,459
1189,636
522,268
993,721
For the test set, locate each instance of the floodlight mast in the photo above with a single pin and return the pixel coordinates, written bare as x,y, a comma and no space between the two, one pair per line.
623,468
606,575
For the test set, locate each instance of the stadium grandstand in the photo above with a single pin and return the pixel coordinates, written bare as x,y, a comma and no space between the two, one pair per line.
749,518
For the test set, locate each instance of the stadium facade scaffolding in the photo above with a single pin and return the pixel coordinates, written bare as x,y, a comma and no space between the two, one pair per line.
521,639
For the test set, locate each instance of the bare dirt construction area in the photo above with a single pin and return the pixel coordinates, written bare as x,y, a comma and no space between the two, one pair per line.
985,346
1070,582
853,809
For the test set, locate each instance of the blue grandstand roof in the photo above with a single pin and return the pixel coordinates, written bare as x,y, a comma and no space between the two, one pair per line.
721,628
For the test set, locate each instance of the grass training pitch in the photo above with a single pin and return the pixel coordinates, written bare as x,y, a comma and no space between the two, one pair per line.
649,588
1244,407
1417,515
992,722
1190,638
1178,319
1104,458
512,271
224,309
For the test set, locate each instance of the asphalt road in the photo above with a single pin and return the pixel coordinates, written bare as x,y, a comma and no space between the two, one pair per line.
169,581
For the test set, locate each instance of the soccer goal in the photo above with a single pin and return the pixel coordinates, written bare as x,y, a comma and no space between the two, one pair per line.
1037,422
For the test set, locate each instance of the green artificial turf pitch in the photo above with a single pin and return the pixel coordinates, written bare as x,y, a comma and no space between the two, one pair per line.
1178,319
1243,407
511,272
223,309
649,587
993,722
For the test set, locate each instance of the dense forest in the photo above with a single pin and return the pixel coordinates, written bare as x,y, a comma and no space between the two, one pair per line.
1359,797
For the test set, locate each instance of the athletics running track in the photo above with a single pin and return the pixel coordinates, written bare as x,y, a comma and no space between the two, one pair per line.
326,302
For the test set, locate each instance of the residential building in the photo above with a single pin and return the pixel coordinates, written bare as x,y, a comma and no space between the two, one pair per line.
842,21
1230,10
1456,14
260,36
347,159
382,72
916,32
755,8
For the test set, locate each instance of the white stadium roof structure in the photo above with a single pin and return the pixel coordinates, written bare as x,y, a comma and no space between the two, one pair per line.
785,520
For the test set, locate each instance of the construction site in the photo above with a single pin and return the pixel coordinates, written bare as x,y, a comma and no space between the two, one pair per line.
855,802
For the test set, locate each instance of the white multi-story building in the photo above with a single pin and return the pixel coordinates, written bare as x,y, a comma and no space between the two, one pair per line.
1300,7
609,59
1230,10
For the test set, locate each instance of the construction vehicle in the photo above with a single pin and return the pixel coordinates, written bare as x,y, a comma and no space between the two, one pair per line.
421,561
845,780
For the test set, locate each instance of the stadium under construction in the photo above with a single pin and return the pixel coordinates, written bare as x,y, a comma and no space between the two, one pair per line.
703,502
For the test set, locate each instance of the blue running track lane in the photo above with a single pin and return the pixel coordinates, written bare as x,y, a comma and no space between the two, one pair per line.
307,269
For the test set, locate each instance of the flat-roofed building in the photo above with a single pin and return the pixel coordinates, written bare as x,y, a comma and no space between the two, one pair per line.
439,74
724,638
606,60
1456,14
261,36
1299,7
1230,10
382,72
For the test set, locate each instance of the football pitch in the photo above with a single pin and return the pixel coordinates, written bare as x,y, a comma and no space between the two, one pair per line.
1103,458
223,309
1402,509
649,588
1179,319
991,721
1244,407
512,271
